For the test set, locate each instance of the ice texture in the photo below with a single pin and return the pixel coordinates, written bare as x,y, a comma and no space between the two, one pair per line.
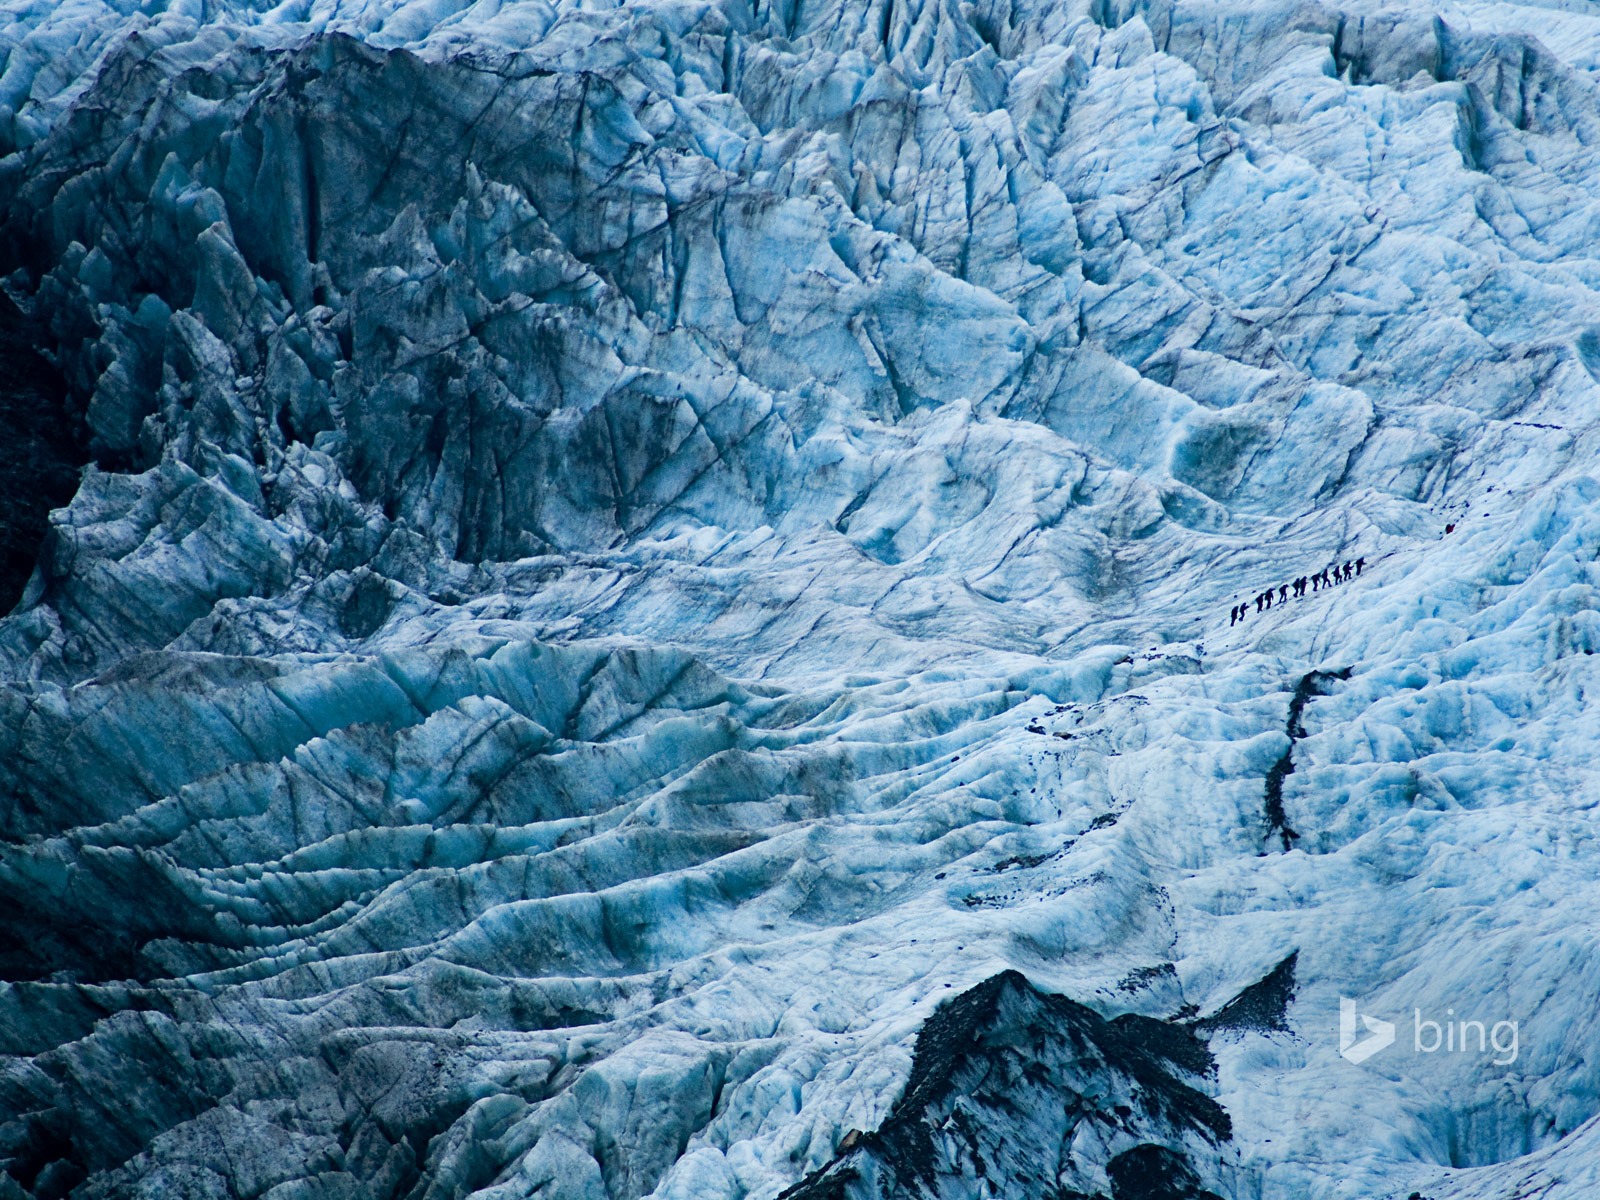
648,614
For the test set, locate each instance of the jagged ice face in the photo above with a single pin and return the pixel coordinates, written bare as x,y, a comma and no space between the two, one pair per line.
648,610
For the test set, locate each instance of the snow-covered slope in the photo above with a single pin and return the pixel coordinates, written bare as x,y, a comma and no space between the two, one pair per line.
651,616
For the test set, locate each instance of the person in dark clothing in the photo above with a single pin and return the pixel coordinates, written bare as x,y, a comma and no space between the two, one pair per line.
1360,562
1258,601
1283,593
1316,582
1326,582
1233,616
1268,595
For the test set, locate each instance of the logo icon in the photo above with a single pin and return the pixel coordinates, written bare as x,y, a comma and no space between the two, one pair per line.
1379,1035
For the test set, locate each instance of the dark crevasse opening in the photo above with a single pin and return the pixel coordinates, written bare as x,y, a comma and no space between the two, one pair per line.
41,450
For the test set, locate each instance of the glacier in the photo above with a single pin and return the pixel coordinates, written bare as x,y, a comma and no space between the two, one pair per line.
621,599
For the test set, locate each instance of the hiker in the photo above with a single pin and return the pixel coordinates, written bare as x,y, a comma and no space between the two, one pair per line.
1450,528
1268,595
1360,562
1258,601
1316,582
1283,594
1233,616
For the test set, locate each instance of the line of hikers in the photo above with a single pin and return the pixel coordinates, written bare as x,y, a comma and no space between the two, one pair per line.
1327,577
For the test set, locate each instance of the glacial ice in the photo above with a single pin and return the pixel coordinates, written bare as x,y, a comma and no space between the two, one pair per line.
647,614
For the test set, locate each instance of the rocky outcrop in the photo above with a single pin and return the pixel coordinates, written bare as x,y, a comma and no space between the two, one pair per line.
1016,1093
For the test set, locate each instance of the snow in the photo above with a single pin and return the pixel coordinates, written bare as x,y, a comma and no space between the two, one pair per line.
640,551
